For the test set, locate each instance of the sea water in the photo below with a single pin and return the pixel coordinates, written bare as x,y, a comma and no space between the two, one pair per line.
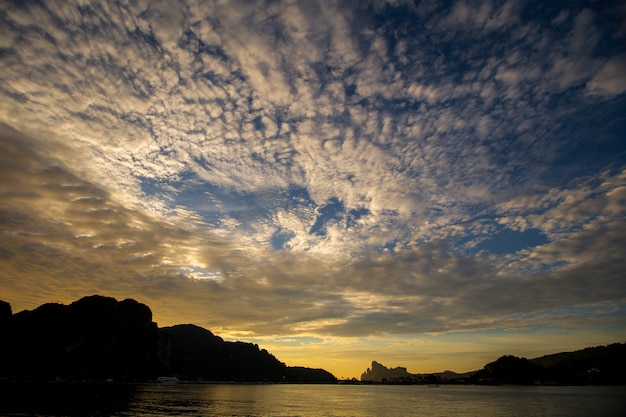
143,400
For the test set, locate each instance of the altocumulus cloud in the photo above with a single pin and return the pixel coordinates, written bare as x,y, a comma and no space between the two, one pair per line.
330,168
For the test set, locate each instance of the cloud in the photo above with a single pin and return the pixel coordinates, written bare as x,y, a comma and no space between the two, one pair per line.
76,236
66,226
333,167
610,80
482,16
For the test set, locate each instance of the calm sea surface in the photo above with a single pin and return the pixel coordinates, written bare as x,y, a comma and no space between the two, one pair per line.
308,400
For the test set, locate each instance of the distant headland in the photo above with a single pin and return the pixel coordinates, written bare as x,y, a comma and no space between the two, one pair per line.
98,338
602,365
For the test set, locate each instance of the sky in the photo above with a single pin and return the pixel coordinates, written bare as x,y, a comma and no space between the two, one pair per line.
425,184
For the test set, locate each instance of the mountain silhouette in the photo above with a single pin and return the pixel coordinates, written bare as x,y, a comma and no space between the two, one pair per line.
100,338
593,365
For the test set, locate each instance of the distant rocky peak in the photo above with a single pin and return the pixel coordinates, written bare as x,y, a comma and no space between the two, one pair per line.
379,373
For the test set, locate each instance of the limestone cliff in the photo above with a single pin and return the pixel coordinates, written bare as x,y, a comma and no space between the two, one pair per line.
380,373
99,338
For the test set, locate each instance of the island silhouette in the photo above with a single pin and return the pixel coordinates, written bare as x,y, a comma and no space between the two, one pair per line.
99,338
601,365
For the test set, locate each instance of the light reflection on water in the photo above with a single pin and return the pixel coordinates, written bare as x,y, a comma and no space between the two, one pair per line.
150,400
366,401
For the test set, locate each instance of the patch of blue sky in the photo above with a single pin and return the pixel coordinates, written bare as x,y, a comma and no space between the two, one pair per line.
209,201
599,130
510,241
389,246
355,214
157,187
327,213
297,196
215,203
280,239
334,211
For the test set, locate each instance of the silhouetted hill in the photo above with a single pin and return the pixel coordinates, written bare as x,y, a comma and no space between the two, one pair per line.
5,312
593,365
99,338
510,370
197,353
308,375
93,338
600,364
